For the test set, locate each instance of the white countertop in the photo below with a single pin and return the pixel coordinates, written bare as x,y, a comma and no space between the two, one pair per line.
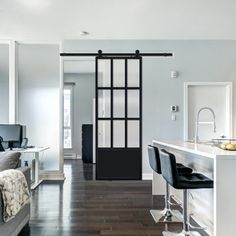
198,149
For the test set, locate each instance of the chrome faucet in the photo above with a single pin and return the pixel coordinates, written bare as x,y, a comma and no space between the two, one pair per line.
196,138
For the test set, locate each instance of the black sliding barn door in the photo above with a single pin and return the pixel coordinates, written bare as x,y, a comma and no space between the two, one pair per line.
119,118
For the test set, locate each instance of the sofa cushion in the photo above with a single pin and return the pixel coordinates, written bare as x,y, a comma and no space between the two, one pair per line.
9,160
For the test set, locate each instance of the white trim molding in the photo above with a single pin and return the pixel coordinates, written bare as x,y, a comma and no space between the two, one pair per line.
5,42
71,156
61,113
147,176
42,42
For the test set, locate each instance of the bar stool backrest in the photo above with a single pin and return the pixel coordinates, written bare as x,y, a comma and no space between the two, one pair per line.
154,158
168,166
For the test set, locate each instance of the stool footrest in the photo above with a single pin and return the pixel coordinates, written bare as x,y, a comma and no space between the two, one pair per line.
166,216
201,227
173,203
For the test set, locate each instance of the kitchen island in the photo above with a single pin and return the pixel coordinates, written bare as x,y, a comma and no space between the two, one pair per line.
215,208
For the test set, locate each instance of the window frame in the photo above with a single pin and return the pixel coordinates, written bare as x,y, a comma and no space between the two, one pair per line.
69,87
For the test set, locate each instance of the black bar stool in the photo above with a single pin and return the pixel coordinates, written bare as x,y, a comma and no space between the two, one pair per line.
167,214
185,182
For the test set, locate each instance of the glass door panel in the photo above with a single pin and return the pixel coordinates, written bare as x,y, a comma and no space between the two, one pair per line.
118,103
104,73
133,73
133,134
119,133
133,104
119,73
104,103
104,134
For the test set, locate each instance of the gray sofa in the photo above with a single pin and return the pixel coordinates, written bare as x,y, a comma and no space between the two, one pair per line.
14,226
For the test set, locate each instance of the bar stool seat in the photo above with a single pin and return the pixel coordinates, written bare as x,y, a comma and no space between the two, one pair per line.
185,182
167,214
193,181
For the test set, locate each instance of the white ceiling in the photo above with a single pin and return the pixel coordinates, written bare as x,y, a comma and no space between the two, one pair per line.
117,19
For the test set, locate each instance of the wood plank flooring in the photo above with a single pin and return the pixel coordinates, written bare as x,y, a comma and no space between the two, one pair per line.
85,207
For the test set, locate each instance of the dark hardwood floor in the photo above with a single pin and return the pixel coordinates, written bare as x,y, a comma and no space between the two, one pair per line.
85,207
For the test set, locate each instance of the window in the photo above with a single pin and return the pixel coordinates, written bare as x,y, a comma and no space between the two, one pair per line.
68,117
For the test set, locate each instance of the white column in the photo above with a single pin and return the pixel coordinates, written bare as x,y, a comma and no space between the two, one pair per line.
61,115
13,83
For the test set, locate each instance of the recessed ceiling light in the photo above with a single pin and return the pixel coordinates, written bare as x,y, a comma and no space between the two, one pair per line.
84,33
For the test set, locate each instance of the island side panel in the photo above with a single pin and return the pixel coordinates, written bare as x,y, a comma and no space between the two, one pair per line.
224,196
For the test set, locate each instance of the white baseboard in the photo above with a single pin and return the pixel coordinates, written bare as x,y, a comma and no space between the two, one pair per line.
71,156
147,176
51,175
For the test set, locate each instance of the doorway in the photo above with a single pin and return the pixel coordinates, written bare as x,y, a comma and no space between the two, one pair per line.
116,85
118,117
79,93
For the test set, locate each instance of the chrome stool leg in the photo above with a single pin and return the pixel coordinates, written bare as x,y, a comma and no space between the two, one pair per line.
167,215
186,231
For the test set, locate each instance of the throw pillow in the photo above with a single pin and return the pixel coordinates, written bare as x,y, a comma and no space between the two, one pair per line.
9,160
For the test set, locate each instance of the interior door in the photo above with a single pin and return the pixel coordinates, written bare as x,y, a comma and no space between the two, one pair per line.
118,118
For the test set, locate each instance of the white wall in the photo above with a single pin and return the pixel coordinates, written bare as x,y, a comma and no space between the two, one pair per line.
4,83
194,60
84,92
39,98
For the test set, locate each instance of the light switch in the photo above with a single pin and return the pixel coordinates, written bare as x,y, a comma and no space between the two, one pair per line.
174,108
174,74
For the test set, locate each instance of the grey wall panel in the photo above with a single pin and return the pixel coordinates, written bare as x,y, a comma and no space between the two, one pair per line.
39,98
4,83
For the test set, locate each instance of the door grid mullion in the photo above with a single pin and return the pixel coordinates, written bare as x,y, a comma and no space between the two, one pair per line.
126,104
140,103
111,103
